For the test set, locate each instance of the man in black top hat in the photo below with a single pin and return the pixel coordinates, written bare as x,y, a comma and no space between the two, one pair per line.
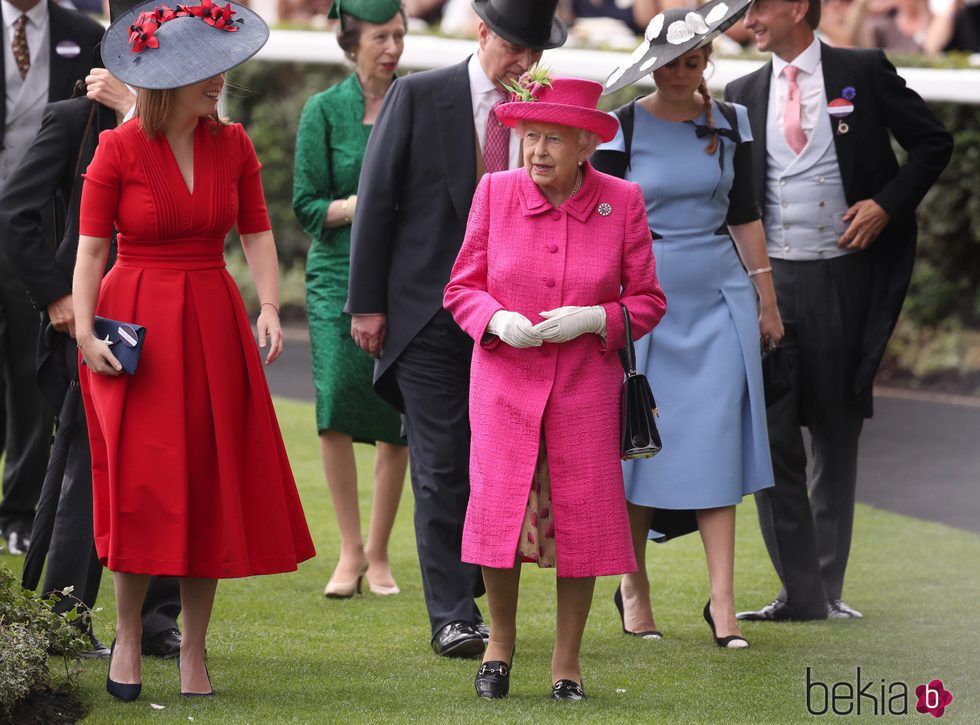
435,136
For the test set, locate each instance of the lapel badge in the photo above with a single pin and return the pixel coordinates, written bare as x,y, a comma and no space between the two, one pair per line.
840,108
604,209
849,93
842,128
67,49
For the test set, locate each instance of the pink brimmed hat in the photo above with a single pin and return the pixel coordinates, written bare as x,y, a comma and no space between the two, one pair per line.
561,101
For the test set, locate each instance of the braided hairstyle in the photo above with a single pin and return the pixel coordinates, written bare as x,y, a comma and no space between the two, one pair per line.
712,146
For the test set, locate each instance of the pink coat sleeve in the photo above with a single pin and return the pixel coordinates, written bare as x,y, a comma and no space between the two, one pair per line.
641,292
466,295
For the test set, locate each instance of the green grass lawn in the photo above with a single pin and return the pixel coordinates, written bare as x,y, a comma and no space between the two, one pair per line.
280,652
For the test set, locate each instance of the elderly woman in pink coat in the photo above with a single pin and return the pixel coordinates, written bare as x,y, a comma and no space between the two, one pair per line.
551,253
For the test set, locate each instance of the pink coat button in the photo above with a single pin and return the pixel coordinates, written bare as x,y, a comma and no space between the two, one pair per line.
552,248
556,215
549,282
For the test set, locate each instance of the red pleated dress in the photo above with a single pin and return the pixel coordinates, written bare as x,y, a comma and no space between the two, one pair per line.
189,471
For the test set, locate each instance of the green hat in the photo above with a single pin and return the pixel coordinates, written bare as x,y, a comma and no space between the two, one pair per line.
370,11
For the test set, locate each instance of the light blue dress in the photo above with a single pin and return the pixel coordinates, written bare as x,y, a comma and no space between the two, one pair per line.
703,359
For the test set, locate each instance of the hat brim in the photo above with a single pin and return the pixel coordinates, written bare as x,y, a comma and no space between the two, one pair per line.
560,114
649,57
190,50
556,38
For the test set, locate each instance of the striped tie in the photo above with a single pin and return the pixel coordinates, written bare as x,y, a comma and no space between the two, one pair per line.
22,54
496,146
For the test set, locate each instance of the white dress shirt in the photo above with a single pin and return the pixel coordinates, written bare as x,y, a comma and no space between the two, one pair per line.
810,81
483,94
37,25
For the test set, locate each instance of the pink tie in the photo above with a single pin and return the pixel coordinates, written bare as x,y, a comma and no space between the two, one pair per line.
496,146
792,129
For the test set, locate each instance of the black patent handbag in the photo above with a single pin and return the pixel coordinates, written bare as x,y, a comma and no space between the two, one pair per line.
641,439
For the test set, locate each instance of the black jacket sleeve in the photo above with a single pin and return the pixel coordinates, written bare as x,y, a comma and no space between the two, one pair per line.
44,173
380,186
742,205
918,131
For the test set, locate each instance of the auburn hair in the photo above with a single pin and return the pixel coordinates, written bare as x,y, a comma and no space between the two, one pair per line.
153,107
708,105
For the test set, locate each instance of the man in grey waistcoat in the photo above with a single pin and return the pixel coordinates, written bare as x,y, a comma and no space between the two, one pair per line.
839,217
46,49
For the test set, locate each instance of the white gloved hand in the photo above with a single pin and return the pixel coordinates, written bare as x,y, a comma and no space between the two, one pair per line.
566,323
514,329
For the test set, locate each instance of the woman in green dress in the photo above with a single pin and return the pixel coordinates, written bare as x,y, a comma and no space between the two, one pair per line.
333,133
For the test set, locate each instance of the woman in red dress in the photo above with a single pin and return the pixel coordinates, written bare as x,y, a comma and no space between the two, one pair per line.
189,470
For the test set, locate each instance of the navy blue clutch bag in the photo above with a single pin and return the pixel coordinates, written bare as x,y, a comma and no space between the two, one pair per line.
125,340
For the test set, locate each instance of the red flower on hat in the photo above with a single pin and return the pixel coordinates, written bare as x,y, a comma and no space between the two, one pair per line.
221,18
141,34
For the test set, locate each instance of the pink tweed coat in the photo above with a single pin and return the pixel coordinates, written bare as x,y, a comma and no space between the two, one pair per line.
521,254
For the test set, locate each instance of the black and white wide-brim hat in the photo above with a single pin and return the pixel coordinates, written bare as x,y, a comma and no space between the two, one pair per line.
157,46
673,33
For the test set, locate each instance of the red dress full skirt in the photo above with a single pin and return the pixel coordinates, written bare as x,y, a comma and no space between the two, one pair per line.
190,474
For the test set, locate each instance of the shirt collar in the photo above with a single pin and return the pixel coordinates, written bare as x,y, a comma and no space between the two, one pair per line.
807,61
479,82
37,15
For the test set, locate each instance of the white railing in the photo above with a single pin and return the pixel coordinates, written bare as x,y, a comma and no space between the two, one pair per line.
426,51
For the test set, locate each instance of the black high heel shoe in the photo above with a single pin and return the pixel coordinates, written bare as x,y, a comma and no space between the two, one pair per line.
196,694
119,690
733,641
618,601
493,680
568,691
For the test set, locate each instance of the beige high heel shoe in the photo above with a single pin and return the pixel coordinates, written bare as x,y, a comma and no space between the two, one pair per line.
383,591
345,590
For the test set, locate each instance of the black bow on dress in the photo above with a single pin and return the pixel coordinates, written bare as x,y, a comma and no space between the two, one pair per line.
703,131
724,133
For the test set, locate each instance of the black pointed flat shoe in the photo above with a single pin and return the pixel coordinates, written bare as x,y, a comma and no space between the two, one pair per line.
649,634
492,680
120,690
733,641
568,691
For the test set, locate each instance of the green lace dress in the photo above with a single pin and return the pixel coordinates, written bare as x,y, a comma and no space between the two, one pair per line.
330,147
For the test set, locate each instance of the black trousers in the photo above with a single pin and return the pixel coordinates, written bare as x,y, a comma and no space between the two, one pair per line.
71,559
29,420
807,523
433,376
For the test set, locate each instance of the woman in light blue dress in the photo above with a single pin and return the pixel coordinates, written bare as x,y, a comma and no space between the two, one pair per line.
691,156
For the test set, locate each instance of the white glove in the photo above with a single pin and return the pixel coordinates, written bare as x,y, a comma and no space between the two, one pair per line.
514,329
566,323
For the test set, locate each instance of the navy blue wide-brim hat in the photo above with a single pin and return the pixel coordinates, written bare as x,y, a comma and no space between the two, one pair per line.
673,33
180,51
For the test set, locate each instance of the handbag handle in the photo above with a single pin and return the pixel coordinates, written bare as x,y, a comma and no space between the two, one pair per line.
627,356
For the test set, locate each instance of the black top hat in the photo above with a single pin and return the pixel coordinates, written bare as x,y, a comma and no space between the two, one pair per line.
528,23
156,46
673,33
